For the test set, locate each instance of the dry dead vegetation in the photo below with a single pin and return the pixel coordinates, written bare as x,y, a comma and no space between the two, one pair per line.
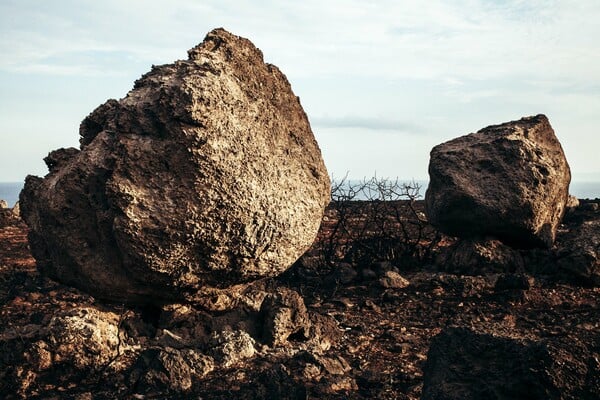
376,317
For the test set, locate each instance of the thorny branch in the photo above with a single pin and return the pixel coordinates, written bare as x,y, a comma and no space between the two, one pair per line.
377,219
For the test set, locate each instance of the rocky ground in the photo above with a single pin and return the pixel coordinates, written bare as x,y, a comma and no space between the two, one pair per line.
347,331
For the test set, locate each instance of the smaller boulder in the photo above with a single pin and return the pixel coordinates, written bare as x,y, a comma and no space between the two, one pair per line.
508,181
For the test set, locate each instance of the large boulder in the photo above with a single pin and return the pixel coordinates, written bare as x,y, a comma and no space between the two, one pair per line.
206,176
509,181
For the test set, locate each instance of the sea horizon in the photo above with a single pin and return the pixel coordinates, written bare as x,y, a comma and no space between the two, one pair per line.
9,191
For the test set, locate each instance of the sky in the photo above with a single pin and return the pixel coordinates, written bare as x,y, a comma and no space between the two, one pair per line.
381,81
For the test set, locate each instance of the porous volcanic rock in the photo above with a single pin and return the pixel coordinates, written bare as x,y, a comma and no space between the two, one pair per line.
284,314
204,177
509,181
467,365
578,253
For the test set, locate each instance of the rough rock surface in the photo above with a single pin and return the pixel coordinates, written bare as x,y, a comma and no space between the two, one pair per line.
463,364
578,252
205,176
284,314
509,181
365,341
391,279
231,347
469,256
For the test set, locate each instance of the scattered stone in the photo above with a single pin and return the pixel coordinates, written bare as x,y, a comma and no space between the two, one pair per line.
205,176
276,382
476,257
590,206
462,364
507,282
324,331
371,304
85,337
8,216
344,383
170,369
334,365
463,286
578,253
345,273
231,347
284,315
393,280
509,181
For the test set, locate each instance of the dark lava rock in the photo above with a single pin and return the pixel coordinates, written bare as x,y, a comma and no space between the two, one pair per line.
168,369
204,177
508,282
509,181
473,257
462,364
284,315
578,253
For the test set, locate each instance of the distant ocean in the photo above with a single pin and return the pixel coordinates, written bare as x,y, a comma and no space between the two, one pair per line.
9,191
581,190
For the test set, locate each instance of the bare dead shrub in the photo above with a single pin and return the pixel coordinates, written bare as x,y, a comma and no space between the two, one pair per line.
376,219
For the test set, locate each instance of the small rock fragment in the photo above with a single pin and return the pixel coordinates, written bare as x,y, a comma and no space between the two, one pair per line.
393,280
284,314
231,347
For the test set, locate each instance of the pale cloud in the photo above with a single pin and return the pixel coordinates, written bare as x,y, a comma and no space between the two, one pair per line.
368,123
439,69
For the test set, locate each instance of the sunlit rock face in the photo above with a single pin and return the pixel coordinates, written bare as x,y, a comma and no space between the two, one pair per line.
206,176
507,181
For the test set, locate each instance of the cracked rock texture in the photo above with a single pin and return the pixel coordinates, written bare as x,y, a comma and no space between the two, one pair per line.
206,176
508,181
